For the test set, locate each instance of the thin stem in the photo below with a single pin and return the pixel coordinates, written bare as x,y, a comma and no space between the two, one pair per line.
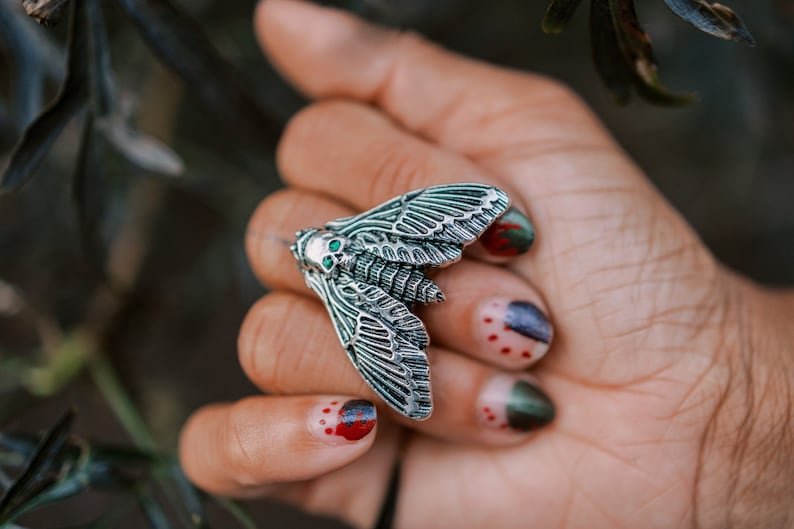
113,391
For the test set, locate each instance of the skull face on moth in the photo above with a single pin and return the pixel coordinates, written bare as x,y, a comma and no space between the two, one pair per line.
321,250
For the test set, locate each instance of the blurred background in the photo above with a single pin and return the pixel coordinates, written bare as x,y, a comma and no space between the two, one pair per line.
123,279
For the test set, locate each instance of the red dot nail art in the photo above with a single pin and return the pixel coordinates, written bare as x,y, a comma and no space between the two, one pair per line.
501,339
351,421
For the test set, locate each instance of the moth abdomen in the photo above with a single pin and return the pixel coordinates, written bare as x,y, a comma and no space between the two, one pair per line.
402,281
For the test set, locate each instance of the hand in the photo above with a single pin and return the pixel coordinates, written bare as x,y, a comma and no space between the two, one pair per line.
671,377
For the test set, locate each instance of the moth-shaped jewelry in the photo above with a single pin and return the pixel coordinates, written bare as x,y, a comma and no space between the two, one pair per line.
369,271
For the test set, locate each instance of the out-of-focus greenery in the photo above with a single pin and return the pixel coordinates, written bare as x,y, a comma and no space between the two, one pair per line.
122,273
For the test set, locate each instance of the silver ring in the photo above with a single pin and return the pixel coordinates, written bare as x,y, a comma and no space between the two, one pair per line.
369,272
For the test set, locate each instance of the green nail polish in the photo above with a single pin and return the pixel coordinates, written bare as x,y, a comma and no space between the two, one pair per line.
509,403
528,408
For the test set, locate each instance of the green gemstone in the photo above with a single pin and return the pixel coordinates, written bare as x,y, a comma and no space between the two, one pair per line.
327,261
334,245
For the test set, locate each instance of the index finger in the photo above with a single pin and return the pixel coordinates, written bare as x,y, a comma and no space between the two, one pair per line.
439,95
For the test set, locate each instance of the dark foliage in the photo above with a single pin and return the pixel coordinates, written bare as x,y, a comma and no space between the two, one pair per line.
622,49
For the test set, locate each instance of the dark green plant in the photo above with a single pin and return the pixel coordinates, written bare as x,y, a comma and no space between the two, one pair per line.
622,49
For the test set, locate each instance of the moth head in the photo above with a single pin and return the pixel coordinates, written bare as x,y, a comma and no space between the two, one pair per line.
319,250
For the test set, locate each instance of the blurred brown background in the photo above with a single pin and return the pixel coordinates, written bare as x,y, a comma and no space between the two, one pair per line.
727,163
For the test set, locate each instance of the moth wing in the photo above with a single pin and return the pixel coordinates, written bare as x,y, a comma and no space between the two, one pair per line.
426,227
384,340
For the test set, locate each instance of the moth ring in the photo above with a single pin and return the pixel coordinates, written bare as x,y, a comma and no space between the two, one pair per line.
369,271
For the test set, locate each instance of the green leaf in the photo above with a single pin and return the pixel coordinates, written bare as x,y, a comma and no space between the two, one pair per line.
712,18
190,495
623,55
153,513
608,55
42,133
558,15
88,190
71,485
39,464
98,56
635,45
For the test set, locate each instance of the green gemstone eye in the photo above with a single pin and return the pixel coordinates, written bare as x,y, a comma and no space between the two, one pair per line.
334,245
327,261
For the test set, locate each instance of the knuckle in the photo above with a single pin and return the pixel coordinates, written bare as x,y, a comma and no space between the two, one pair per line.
301,130
261,339
397,170
277,341
241,443
263,244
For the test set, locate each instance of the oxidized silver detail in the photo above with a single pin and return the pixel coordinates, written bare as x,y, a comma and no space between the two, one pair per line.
369,271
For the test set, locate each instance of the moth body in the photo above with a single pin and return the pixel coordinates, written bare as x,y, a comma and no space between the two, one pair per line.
402,281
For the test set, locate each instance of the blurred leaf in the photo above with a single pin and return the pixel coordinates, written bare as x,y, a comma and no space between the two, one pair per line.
107,466
39,464
712,18
638,54
72,484
99,72
153,512
140,149
22,445
623,55
147,152
558,15
29,79
40,135
607,53
190,495
88,191
180,42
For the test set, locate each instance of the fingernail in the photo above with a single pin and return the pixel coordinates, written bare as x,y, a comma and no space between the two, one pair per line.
511,234
509,403
514,329
338,421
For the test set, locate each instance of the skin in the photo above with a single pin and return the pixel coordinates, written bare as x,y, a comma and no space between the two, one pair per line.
671,375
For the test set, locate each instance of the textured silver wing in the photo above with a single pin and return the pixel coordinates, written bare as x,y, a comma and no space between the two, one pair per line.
384,340
426,227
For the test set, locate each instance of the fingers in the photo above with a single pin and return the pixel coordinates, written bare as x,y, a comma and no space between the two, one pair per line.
288,346
235,449
442,96
489,313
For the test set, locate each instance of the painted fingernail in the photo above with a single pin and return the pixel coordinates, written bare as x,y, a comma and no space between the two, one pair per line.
338,421
514,329
508,403
511,234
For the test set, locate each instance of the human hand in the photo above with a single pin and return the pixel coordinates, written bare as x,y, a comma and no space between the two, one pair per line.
671,377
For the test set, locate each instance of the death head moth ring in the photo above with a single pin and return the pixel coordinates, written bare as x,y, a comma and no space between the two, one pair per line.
369,271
